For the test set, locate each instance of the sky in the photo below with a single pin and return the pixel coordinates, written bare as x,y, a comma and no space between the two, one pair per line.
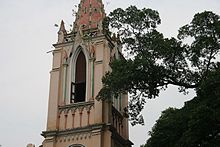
27,33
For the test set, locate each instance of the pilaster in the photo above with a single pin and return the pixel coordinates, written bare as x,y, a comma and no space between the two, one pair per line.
54,91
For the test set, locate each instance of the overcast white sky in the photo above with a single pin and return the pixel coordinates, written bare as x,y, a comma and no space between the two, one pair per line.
27,32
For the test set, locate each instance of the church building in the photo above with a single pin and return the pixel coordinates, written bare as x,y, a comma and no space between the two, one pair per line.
80,60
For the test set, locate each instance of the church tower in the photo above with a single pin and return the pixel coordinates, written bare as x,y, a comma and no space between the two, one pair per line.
80,60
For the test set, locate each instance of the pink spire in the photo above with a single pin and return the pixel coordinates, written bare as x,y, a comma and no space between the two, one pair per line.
90,14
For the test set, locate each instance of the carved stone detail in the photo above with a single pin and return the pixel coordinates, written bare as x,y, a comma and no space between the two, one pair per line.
73,107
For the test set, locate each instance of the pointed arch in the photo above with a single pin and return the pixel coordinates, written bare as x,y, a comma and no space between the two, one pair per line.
79,75
80,78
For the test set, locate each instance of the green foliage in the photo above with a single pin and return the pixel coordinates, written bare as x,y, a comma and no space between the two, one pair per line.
196,124
205,31
155,61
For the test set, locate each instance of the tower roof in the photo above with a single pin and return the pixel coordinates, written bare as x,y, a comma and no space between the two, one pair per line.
90,14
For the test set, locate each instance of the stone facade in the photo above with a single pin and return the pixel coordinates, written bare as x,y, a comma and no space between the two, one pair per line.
80,60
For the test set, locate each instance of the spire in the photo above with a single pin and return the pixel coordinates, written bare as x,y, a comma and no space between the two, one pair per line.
61,33
90,14
62,27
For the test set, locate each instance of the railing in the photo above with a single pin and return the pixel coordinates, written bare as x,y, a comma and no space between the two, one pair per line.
75,115
117,121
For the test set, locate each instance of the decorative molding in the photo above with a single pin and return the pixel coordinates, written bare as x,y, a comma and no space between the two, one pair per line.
73,110
76,145
55,70
58,45
74,106
92,59
76,131
99,62
94,38
49,134
68,39
57,50
88,107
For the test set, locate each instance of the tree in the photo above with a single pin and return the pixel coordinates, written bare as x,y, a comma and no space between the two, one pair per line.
197,124
155,61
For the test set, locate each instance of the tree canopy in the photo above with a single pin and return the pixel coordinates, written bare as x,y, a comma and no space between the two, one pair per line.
154,61
197,124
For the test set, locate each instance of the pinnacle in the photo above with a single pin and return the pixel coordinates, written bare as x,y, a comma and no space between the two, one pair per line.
62,27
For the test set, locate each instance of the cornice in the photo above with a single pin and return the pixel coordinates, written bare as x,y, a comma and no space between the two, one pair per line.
74,106
99,62
87,129
55,70
58,45
79,104
94,38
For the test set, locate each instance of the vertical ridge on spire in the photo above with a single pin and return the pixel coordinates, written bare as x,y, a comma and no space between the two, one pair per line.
90,14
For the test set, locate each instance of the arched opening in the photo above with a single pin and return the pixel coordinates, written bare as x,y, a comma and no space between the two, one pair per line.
79,86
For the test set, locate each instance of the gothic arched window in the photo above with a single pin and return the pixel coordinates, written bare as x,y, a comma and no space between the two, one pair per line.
79,86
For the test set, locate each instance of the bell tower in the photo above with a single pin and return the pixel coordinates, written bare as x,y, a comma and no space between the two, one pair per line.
80,60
